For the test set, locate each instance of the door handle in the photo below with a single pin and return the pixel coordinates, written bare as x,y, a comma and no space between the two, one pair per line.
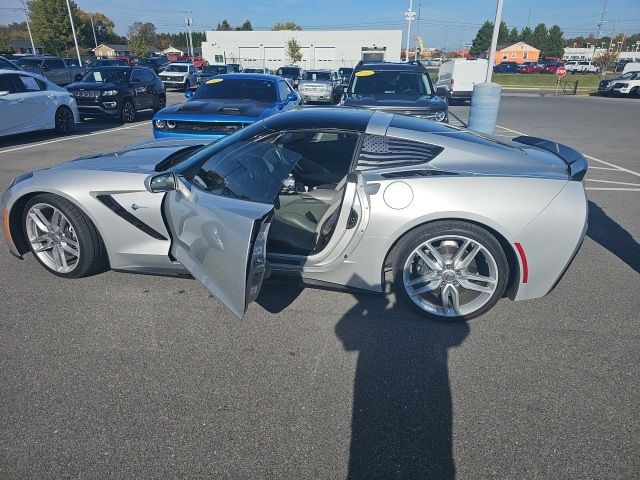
51,96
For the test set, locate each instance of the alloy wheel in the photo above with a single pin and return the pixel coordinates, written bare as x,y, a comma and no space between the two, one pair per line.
64,120
128,112
52,237
450,276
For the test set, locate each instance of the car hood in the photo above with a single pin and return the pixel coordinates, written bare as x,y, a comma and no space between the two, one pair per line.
164,73
137,159
94,86
316,82
233,107
401,102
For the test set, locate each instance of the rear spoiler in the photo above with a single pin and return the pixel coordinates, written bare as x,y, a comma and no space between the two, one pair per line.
576,162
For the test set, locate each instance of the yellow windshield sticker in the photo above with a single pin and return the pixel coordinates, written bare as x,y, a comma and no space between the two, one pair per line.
365,73
215,80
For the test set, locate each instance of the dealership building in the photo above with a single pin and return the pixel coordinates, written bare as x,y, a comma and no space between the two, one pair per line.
320,49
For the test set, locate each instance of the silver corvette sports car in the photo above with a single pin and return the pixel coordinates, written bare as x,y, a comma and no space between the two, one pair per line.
453,220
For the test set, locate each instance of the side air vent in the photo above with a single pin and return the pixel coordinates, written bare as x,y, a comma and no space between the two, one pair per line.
115,207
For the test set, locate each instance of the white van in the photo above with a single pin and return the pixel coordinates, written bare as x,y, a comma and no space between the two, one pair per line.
631,67
457,77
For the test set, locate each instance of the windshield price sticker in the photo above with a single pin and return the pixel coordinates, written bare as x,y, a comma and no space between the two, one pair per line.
365,73
215,80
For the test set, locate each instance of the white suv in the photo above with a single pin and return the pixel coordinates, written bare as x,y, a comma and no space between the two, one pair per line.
179,75
581,66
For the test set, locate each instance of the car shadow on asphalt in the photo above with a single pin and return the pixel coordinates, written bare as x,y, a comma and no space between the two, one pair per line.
612,236
402,406
90,125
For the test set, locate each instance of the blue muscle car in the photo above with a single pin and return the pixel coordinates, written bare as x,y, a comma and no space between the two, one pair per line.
225,104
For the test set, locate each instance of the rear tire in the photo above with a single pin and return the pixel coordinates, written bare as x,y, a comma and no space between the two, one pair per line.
62,238
64,120
444,286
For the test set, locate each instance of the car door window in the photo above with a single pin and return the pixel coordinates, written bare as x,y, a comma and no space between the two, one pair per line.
8,84
284,90
136,76
148,78
54,63
30,84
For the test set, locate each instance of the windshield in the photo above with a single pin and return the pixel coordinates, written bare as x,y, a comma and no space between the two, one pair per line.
253,70
107,75
317,76
390,83
289,72
215,69
6,64
176,68
28,62
237,89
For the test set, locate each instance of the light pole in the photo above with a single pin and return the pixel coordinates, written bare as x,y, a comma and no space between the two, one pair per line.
95,40
73,30
409,16
33,47
494,40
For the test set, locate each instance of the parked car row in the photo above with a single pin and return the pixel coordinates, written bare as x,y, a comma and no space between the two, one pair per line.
627,84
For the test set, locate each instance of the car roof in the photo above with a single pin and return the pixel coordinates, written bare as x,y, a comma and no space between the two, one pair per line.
254,76
181,63
331,118
391,66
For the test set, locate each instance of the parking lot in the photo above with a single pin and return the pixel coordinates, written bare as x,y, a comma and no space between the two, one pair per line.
132,376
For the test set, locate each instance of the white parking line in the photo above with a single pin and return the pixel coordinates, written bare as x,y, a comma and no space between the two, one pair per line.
609,181
591,167
588,156
72,137
613,189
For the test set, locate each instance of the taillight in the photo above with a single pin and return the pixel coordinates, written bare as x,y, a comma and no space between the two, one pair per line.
451,85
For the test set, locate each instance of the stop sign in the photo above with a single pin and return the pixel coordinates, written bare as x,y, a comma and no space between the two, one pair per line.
561,72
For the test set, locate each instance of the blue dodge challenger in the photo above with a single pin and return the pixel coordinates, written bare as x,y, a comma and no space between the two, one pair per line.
225,104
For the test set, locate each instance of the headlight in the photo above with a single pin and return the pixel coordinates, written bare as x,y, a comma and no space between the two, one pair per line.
160,123
170,124
109,93
440,116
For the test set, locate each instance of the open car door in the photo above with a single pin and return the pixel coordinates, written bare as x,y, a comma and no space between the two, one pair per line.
219,213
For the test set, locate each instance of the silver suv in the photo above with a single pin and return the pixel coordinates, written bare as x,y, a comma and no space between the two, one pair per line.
319,86
179,75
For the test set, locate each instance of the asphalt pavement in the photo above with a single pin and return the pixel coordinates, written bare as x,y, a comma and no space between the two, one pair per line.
129,376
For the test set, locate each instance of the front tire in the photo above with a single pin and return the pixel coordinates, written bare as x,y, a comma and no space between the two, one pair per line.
128,111
64,120
450,270
62,238
162,102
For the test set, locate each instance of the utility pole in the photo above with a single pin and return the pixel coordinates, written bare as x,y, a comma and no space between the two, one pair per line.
95,40
409,16
73,30
33,47
188,21
600,23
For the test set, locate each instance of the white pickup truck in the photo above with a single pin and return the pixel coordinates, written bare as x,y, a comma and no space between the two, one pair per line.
580,66
627,87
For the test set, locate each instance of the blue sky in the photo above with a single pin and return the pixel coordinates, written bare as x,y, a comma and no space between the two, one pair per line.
444,24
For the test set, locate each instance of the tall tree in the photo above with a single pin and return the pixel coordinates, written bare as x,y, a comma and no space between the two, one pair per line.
142,37
555,42
514,36
539,37
103,25
482,41
246,26
286,26
503,33
294,51
50,24
526,34
223,26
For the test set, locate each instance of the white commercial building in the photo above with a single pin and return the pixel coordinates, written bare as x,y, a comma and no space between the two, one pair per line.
320,49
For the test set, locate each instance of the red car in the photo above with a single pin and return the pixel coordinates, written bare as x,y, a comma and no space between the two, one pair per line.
551,67
127,60
529,67
200,62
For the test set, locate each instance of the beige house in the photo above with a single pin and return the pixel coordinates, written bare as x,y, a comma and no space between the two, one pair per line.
516,52
111,50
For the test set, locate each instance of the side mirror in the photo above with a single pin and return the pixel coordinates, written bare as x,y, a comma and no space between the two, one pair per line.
442,92
164,182
188,94
292,97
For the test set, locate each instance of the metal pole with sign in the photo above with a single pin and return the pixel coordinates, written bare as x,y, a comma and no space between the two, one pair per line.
73,30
